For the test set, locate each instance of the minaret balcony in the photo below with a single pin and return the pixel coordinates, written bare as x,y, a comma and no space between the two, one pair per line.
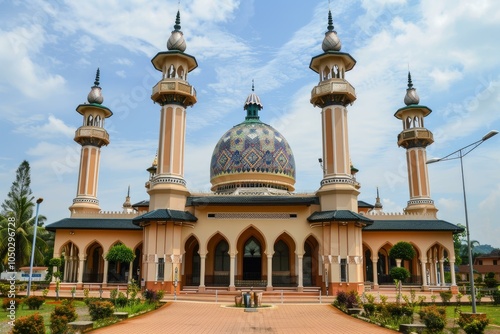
91,134
333,91
415,137
174,91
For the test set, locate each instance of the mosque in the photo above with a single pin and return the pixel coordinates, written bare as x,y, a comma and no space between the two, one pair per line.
252,229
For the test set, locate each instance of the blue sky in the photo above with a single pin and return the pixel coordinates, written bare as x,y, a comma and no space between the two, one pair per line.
50,51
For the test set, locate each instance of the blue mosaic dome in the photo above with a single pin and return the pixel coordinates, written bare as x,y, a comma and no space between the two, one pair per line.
252,154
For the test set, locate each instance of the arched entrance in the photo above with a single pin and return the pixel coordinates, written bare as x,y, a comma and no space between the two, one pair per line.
94,266
252,260
310,262
192,262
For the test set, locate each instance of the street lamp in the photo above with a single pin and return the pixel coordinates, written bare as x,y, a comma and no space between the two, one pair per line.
38,201
459,154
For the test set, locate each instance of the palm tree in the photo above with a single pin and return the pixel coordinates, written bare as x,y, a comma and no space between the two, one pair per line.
17,217
464,251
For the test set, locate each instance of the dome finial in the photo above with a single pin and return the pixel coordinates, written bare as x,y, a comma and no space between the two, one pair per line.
330,21
411,96
176,41
96,82
410,84
177,26
331,42
253,105
95,95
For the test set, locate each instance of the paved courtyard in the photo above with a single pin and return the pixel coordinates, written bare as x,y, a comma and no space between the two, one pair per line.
195,317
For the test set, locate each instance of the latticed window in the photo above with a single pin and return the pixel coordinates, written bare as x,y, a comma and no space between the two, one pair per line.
343,270
222,256
161,269
281,257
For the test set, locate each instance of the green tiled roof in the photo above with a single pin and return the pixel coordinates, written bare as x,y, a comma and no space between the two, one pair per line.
337,215
92,224
251,200
363,204
165,215
412,225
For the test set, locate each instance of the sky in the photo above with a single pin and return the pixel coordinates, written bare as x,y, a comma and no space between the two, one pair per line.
50,51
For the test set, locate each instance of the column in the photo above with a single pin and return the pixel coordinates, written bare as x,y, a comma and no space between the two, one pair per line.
424,271
54,270
202,270
441,270
435,266
301,274
105,273
66,269
80,271
232,265
452,272
269,272
130,268
375,271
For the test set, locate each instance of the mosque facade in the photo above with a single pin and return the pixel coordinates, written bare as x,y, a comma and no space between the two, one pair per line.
252,229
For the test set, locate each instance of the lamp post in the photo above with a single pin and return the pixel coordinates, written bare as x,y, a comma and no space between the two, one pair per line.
38,201
459,154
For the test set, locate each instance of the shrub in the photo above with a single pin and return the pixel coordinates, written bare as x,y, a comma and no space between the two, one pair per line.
100,309
496,297
352,299
7,302
4,289
34,302
446,296
341,299
473,323
434,318
369,308
31,324
61,316
121,300
490,280
113,294
153,296
399,273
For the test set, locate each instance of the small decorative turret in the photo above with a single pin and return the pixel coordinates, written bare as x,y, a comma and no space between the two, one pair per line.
378,204
176,40
253,106
127,206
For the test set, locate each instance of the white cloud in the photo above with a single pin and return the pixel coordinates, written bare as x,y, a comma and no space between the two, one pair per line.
53,128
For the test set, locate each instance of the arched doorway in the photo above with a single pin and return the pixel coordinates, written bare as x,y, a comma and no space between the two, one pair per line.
193,263
94,266
136,266
252,260
310,262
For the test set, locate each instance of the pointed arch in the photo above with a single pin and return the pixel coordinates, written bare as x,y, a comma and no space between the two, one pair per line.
180,72
71,257
192,261
251,245
94,266
310,261
217,261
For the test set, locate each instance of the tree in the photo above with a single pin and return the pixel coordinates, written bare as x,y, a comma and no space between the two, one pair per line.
120,253
17,216
402,250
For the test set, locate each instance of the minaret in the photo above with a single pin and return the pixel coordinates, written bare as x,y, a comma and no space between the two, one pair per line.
339,189
174,94
91,136
415,138
127,206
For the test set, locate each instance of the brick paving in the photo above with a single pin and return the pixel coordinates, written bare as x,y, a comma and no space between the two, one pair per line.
196,317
